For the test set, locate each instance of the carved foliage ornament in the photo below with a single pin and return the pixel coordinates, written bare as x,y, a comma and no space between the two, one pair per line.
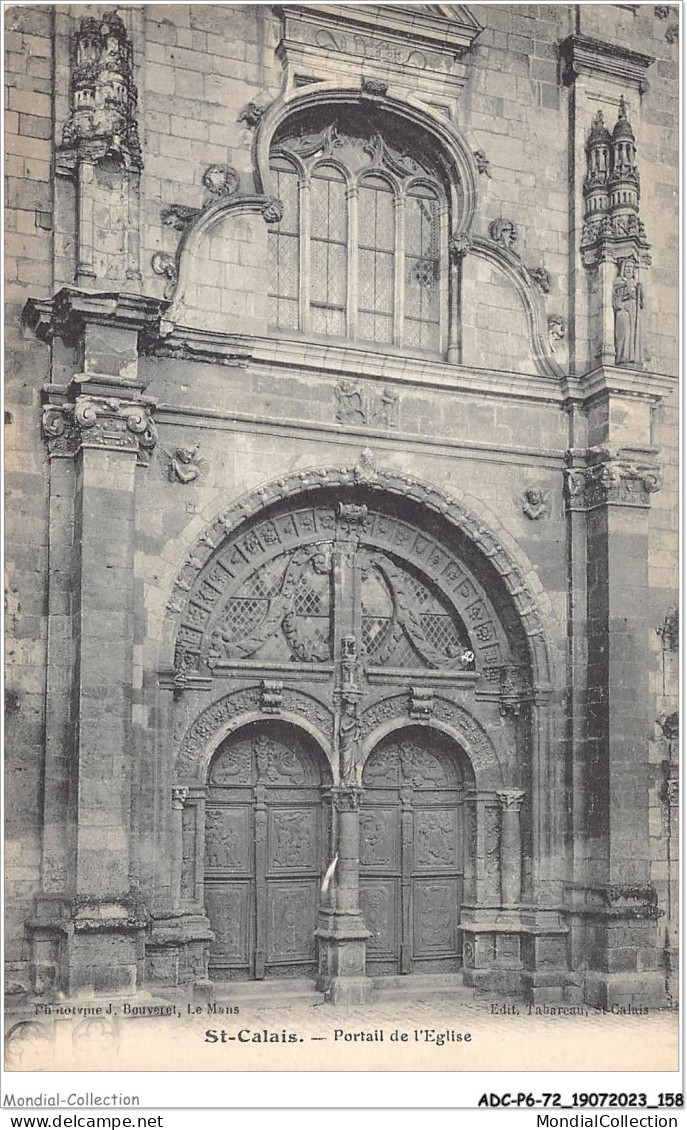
94,421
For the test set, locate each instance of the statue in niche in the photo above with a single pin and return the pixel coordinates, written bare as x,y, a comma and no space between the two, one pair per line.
350,733
628,303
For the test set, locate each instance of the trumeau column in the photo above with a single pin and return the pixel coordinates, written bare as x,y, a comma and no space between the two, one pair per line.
342,933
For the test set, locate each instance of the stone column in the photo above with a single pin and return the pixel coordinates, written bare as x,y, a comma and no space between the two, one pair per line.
511,846
614,489
342,933
179,796
93,901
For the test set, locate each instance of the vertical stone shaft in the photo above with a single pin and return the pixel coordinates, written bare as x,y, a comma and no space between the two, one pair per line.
347,890
511,847
105,530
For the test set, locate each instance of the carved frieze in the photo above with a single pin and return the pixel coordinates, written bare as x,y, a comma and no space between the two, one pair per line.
355,404
97,421
609,478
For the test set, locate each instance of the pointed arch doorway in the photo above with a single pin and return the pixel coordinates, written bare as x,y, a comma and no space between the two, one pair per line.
412,853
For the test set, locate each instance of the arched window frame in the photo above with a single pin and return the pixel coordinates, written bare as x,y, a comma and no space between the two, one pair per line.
401,187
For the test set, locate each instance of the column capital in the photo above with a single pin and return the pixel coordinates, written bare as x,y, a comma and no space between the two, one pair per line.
345,798
511,799
179,797
114,423
609,478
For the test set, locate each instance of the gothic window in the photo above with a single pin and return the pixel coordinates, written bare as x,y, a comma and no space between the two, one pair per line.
363,256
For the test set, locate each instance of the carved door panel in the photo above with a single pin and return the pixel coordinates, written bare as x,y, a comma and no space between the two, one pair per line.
264,844
411,863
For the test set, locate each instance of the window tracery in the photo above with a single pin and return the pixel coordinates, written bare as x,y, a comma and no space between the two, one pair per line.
360,252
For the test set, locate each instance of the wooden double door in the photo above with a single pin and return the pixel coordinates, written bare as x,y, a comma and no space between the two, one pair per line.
411,856
265,843
267,839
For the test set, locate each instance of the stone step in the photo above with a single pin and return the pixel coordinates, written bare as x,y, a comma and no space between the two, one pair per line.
288,989
420,984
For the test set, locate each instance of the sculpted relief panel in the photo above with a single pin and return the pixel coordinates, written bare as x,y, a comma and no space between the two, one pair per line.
270,595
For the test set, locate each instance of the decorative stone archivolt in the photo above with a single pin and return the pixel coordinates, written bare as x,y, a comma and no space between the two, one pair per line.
236,709
530,291
452,150
383,480
392,713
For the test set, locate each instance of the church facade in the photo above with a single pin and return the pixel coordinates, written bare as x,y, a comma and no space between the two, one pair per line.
342,498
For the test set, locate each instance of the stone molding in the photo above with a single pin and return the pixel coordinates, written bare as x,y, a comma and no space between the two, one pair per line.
422,51
531,285
609,478
71,309
584,56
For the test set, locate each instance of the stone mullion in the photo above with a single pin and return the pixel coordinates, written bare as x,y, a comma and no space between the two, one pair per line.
304,257
399,268
352,263
445,288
